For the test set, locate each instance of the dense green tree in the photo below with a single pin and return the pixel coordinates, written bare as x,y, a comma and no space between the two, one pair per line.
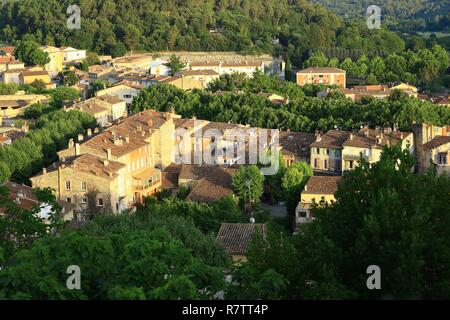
62,94
70,78
30,53
141,256
8,88
384,221
175,64
293,181
248,184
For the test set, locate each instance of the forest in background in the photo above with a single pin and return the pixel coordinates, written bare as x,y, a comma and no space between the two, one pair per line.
113,27
400,14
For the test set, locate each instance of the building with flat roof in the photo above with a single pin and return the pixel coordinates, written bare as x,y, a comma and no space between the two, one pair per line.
322,75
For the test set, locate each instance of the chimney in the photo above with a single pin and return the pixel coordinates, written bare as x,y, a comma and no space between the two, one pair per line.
77,149
44,170
108,153
96,130
378,139
89,132
127,139
305,188
139,128
350,136
105,162
71,144
80,137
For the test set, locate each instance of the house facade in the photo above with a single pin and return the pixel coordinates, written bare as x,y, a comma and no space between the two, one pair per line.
432,147
322,75
318,188
120,165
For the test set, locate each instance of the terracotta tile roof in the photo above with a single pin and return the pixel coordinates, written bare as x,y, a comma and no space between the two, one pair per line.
90,164
6,59
14,134
213,182
296,143
4,139
332,139
208,191
15,71
442,100
322,185
109,99
22,195
205,64
206,72
98,68
236,237
184,123
214,173
130,134
436,142
371,138
321,70
34,73
8,49
169,180
91,107
242,64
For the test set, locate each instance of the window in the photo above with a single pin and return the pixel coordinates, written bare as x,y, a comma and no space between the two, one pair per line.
328,152
68,185
325,164
350,164
337,153
84,200
69,200
317,151
316,163
100,202
83,186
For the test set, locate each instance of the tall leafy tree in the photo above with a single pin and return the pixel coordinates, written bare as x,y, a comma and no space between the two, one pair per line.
30,53
175,64
248,183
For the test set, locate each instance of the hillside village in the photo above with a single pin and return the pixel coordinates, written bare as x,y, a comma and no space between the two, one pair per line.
131,156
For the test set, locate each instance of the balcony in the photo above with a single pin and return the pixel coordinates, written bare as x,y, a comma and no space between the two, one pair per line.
146,179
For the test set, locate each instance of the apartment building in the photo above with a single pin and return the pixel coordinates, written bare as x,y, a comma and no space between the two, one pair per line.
134,62
295,146
432,147
72,55
55,65
375,91
120,165
249,67
318,188
338,151
105,109
14,105
322,75
123,90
